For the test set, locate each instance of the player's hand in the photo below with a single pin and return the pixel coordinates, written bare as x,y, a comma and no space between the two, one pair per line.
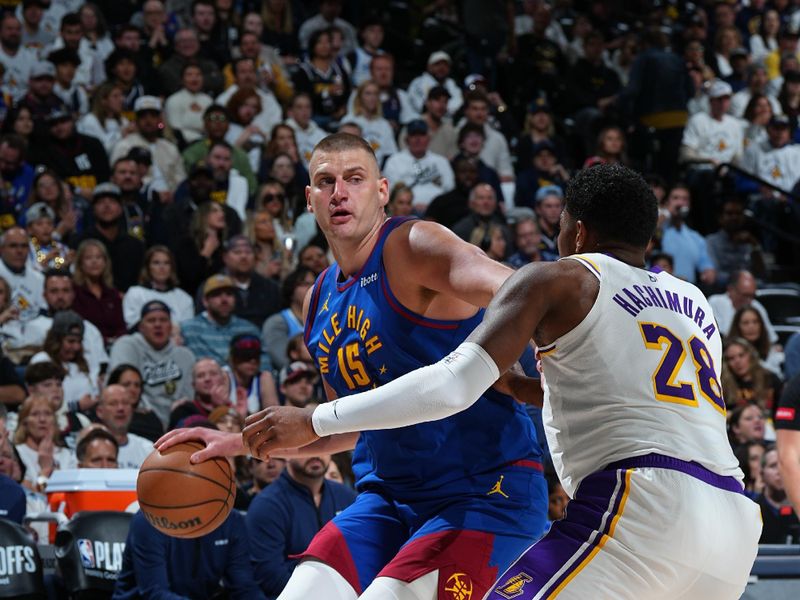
524,389
278,427
218,443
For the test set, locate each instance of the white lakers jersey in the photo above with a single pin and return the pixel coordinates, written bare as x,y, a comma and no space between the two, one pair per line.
639,375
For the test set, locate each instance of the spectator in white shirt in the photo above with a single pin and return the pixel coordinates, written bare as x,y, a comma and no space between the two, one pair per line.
427,174
716,137
185,108
115,411
367,114
106,122
437,74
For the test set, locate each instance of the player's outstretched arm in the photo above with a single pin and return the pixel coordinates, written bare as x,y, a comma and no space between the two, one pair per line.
218,443
436,391
789,458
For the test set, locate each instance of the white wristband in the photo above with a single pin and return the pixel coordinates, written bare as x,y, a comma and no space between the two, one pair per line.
426,394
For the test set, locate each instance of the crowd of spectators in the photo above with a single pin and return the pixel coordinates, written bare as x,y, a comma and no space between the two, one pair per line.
156,247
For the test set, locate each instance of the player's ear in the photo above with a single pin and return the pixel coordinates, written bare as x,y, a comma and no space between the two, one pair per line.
383,191
580,236
309,208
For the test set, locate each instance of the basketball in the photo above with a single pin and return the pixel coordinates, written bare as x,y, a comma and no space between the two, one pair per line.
182,499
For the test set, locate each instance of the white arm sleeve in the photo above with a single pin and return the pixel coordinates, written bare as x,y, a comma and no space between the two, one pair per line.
427,394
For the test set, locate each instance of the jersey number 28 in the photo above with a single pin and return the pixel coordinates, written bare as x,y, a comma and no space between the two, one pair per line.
665,386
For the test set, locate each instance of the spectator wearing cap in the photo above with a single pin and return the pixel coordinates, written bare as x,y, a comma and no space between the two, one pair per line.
167,163
297,380
210,391
59,294
35,32
713,138
185,108
64,347
45,252
79,159
165,368
251,388
16,59
284,517
126,251
26,283
256,296
46,379
538,127
17,176
545,170
281,327
495,151
187,50
323,79
40,99
73,95
157,281
757,81
427,174
115,411
779,163
444,136
216,125
437,73
307,133
209,334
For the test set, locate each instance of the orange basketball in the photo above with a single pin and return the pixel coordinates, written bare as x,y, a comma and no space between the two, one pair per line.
182,499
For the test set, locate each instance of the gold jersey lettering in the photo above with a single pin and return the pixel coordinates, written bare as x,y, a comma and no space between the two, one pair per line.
373,344
324,367
337,328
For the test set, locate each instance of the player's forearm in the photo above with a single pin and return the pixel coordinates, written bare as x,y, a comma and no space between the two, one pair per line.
332,444
427,394
789,461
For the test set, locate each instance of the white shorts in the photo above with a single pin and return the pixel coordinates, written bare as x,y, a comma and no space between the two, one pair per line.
671,531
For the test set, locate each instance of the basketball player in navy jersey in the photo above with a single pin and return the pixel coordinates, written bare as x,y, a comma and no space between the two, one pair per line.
633,410
444,506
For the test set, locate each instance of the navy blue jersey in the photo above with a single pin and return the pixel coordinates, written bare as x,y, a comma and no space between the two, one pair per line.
361,337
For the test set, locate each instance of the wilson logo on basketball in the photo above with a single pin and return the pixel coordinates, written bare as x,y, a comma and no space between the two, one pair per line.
784,413
165,523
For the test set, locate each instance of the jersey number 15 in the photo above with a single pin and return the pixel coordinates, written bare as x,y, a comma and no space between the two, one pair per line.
665,386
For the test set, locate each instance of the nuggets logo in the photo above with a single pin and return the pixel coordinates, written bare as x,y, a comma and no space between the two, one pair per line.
514,586
86,550
459,586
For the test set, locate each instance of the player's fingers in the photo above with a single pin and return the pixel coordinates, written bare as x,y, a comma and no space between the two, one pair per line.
264,447
202,455
255,417
176,436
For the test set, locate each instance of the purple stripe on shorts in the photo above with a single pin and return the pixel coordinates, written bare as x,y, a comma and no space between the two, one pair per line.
696,470
535,569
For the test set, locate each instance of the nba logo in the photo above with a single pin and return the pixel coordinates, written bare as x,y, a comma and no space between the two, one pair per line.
87,553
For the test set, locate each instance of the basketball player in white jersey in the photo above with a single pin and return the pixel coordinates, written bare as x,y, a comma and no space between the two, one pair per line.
633,411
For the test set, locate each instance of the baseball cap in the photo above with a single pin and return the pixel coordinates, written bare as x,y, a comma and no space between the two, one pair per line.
216,283
63,56
295,371
145,103
106,189
201,168
153,306
791,29
417,127
739,52
548,190
219,413
437,56
67,322
473,79
39,210
438,91
43,68
719,88
541,146
238,241
779,121
140,155
57,114
245,346
539,104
